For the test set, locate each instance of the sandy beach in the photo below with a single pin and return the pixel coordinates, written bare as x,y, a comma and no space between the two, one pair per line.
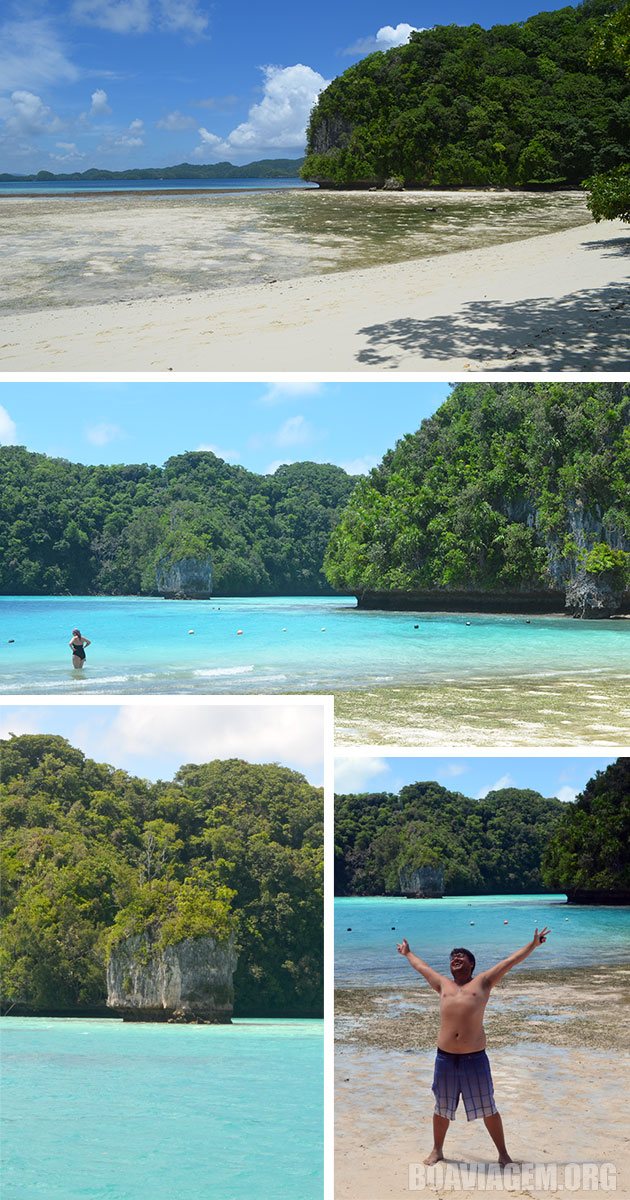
560,1066
557,300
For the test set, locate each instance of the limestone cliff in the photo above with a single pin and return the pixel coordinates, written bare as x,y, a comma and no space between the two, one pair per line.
421,883
189,981
570,586
184,578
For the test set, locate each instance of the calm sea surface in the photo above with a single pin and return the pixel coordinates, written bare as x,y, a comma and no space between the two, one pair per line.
101,1110
287,644
83,186
368,928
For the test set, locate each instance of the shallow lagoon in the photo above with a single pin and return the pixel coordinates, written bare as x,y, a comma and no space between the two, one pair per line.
99,248
101,1110
429,677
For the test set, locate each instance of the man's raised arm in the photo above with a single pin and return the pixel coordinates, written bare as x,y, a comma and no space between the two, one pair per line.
495,974
432,977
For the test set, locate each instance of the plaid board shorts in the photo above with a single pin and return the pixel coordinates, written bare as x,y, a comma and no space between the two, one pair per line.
465,1075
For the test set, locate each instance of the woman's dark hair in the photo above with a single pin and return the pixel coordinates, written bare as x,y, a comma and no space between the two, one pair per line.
462,950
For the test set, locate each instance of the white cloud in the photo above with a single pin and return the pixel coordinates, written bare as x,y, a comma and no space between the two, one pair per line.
182,16
140,16
70,153
32,55
119,16
8,428
226,455
279,120
385,38
503,782
454,769
257,733
132,135
175,121
19,721
279,393
360,466
357,774
295,431
567,794
26,114
99,106
103,434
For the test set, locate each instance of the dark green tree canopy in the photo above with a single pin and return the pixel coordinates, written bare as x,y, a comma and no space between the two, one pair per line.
484,846
590,850
508,486
65,527
91,854
515,105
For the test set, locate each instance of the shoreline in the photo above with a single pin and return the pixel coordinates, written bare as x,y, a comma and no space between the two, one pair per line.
556,299
560,1006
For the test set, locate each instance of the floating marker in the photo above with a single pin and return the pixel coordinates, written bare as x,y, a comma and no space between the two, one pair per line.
506,922
191,631
239,632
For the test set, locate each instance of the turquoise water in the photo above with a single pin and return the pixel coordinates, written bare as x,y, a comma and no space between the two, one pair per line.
367,956
77,186
100,1110
286,645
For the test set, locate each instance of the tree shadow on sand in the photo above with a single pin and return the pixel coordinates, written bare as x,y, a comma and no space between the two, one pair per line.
587,330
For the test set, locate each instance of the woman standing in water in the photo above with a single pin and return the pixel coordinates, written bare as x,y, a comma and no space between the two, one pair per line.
77,644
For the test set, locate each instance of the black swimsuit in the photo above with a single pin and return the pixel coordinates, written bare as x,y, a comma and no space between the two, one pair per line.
78,651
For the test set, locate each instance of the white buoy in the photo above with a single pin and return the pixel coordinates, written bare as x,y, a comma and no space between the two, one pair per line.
191,631
239,632
506,922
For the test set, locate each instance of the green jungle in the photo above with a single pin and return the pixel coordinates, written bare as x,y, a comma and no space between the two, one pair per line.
91,854
495,492
512,841
507,487
65,527
544,102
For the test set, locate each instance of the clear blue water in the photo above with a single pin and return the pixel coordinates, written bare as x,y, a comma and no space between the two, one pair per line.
69,187
287,644
100,1110
367,957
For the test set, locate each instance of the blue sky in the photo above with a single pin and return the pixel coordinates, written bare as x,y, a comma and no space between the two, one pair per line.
120,83
256,425
475,777
154,740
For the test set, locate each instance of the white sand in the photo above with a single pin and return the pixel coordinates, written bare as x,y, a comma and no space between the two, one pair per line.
558,1107
557,301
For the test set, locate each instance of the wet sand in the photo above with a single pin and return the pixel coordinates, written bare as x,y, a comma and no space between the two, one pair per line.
547,711
558,1042
317,292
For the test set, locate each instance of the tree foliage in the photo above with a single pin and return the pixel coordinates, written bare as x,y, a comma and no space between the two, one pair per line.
590,849
91,854
487,493
488,846
515,105
65,527
609,194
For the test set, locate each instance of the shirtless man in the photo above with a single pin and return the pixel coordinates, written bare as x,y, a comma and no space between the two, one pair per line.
461,1064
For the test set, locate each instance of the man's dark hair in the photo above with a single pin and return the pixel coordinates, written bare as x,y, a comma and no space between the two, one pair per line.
462,950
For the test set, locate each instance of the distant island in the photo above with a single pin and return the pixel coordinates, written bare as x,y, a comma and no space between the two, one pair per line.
266,168
535,103
196,526
427,841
